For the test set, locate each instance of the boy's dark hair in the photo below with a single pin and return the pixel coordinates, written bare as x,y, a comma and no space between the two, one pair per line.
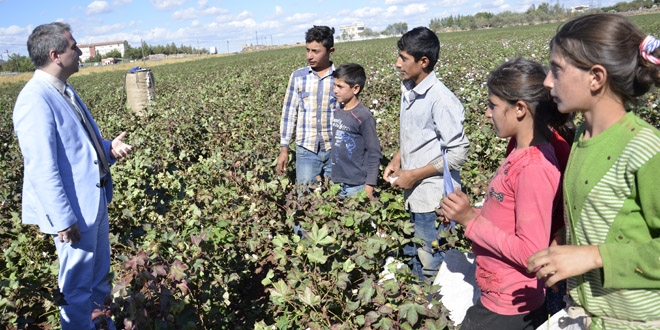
321,34
420,42
353,74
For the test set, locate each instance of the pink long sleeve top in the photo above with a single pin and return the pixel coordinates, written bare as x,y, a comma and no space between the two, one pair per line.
513,224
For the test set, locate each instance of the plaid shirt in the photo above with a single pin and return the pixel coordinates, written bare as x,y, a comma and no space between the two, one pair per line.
308,104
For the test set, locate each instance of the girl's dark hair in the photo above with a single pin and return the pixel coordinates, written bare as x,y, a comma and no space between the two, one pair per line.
522,80
352,73
419,42
610,40
321,34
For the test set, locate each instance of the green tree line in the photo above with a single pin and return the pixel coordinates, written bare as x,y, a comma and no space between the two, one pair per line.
542,13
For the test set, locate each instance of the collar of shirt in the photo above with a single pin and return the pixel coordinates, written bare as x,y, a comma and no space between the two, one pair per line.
59,84
329,73
410,91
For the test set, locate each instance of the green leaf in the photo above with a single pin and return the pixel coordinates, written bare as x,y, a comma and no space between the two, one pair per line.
267,280
366,291
385,323
177,270
316,255
280,240
280,293
309,298
348,266
372,317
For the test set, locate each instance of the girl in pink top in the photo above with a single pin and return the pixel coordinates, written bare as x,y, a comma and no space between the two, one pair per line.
516,218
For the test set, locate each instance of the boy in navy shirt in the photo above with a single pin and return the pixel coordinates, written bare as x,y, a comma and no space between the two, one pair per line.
356,148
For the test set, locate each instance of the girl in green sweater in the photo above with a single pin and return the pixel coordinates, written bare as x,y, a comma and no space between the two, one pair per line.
611,186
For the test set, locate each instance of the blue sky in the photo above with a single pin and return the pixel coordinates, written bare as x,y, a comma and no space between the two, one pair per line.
228,25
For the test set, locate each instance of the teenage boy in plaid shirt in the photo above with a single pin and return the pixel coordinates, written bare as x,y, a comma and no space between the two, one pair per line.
308,105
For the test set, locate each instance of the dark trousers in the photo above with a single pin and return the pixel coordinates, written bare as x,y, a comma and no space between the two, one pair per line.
479,317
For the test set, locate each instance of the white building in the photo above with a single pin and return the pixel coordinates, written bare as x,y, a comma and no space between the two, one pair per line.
102,48
352,31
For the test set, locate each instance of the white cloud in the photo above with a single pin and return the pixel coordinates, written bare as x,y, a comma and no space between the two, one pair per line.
394,2
278,11
215,11
243,24
270,25
167,4
244,15
415,9
368,12
300,17
106,29
193,13
118,3
451,3
13,30
392,10
185,14
202,3
98,7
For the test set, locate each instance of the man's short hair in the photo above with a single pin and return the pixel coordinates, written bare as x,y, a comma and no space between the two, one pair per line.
321,34
43,39
352,73
420,42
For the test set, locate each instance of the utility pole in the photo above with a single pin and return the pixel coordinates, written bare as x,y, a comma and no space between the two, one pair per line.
256,37
227,46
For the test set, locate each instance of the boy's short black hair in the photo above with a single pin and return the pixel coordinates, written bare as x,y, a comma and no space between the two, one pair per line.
353,74
321,34
420,42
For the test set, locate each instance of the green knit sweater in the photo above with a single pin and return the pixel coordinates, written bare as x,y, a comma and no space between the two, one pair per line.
612,199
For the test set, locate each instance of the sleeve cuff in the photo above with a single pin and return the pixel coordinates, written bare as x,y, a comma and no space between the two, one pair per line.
438,165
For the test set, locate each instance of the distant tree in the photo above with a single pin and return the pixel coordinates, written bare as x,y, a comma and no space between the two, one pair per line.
449,22
113,53
368,33
401,28
146,49
468,23
158,49
389,30
132,53
18,63
483,19
396,29
171,49
346,36
436,24
630,6
94,59
543,12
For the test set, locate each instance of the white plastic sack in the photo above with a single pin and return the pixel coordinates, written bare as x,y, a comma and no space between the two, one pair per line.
561,321
458,285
